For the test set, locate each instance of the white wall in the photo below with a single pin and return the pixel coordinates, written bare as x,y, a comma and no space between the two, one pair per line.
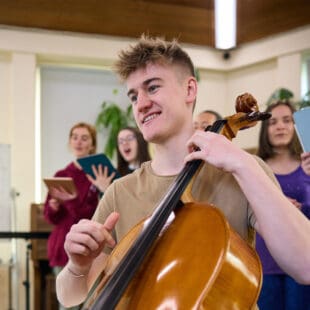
70,95
249,79
212,91
5,63
258,68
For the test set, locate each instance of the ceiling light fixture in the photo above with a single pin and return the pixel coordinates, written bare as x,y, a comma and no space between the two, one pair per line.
225,24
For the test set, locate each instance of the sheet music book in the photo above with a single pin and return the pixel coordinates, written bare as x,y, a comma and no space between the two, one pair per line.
96,160
302,126
61,182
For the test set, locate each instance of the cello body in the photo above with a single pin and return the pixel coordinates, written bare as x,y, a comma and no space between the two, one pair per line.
197,262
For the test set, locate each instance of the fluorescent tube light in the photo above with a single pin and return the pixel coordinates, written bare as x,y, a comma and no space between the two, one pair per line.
225,24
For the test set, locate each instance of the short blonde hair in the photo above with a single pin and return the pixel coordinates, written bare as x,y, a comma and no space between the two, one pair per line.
152,50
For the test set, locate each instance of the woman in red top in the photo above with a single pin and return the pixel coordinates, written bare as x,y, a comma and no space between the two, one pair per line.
63,209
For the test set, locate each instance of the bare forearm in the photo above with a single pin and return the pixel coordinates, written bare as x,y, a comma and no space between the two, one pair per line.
71,289
284,228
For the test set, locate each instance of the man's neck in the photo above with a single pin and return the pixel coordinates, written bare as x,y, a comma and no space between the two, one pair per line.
169,157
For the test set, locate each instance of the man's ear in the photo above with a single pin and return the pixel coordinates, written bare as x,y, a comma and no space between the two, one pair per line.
191,89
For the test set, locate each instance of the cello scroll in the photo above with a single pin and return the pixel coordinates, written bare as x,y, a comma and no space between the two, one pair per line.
247,116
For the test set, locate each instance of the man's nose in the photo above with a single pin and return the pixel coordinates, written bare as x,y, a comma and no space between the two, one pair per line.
143,101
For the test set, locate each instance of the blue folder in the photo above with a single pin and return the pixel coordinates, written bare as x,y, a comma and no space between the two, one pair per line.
302,126
96,160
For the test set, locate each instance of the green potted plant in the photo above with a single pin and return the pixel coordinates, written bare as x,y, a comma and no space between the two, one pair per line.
112,117
305,101
286,94
280,94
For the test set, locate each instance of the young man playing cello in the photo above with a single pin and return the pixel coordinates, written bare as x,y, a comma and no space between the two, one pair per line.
162,88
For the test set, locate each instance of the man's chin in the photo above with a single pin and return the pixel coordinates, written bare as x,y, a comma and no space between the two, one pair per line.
155,139
146,136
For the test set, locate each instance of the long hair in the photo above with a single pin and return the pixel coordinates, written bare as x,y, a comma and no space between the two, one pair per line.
142,152
265,149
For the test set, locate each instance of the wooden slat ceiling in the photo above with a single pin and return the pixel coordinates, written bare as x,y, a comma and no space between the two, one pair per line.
192,21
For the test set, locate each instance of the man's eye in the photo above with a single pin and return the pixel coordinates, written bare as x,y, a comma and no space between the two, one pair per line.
152,88
133,98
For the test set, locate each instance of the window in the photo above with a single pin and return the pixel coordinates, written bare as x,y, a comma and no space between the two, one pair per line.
70,95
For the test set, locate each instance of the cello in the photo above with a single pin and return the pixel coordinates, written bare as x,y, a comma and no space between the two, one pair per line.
157,266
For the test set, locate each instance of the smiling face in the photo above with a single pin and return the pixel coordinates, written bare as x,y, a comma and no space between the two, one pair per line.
128,145
81,142
281,127
162,97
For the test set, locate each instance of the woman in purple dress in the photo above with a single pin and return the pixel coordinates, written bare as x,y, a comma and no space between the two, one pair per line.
280,148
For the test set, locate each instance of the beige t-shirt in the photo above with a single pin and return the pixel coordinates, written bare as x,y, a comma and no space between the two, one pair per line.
136,195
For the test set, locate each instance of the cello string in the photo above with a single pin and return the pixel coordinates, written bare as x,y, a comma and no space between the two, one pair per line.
126,269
